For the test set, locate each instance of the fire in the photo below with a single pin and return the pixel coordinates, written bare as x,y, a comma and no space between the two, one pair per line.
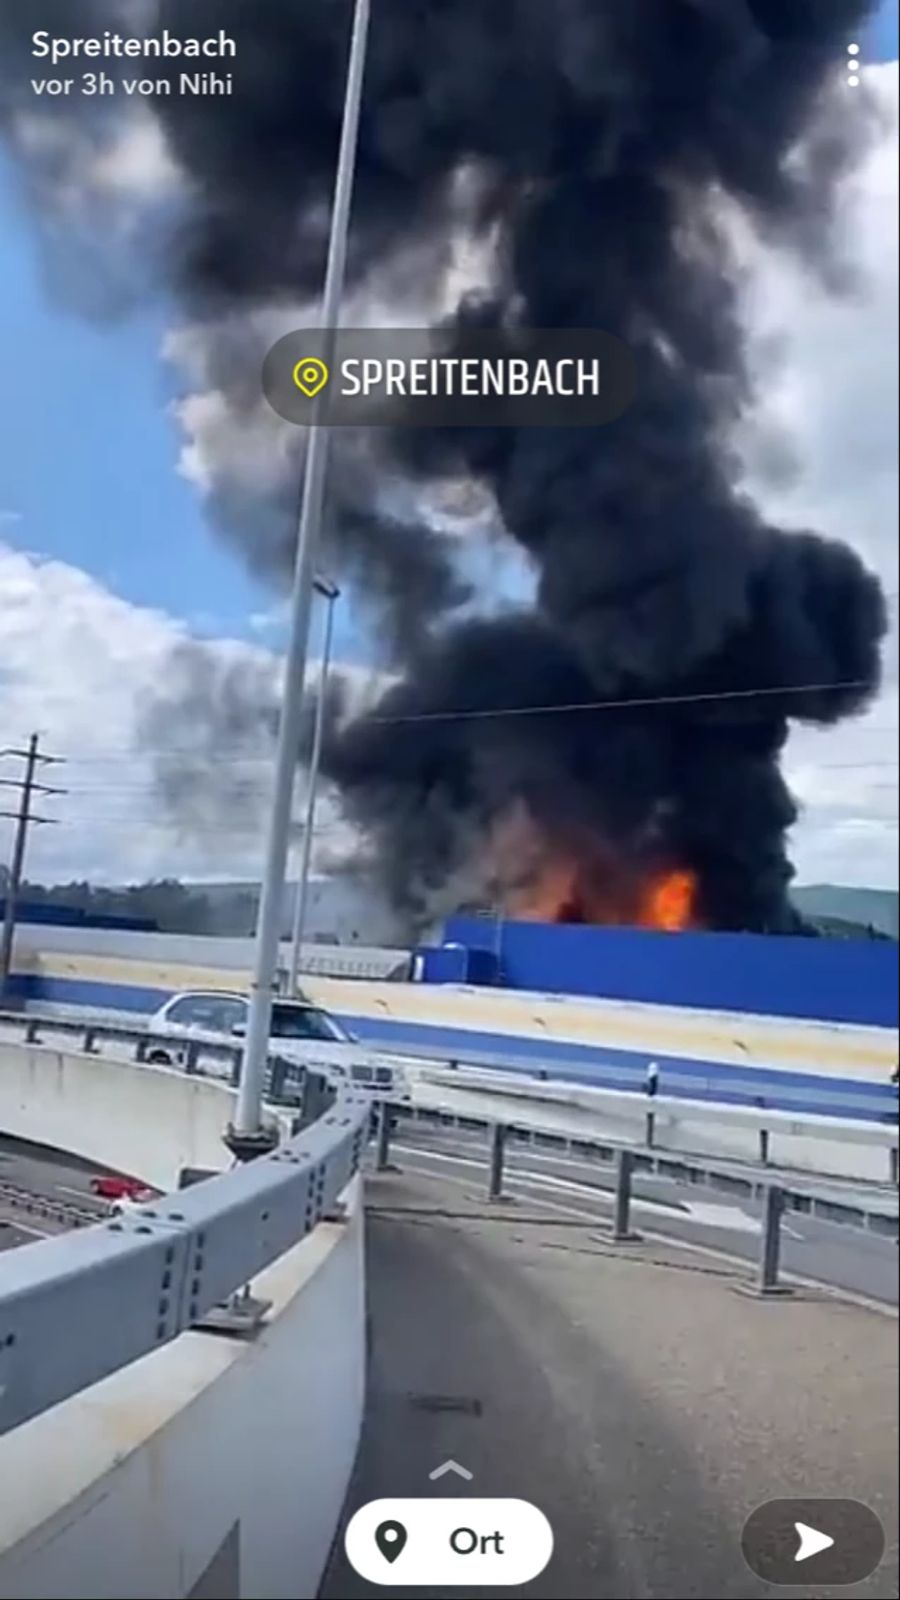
670,902
540,879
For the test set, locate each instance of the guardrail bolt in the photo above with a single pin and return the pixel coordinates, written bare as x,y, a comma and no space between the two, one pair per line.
622,1233
770,1258
498,1146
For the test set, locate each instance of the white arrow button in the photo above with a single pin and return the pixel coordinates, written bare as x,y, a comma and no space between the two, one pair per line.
812,1542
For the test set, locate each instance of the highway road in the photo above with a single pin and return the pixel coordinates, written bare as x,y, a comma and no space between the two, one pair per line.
856,1261
42,1193
631,1392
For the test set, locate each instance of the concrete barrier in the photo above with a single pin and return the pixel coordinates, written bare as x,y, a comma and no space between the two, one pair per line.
212,1467
147,1121
446,1019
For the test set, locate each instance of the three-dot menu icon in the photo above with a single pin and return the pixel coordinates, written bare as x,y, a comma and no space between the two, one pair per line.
853,65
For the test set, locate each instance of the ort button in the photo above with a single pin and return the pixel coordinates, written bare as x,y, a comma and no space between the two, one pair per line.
447,1542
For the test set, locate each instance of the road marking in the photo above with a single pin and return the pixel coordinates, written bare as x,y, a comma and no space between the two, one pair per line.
24,1227
688,1211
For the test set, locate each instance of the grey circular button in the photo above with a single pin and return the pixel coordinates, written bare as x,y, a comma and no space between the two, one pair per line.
813,1542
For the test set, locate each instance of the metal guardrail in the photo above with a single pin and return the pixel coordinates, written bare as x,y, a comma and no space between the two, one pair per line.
129,1285
777,1198
287,1083
656,1111
856,1097
126,1286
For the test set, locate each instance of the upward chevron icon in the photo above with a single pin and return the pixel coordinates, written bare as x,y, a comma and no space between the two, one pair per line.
450,1466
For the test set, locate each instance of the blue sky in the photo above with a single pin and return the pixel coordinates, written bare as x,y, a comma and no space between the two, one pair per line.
881,42
88,464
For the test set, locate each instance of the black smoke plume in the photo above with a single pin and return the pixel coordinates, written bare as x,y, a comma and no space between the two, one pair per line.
602,148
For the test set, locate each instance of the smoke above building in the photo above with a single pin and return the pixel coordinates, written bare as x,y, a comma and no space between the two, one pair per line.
590,163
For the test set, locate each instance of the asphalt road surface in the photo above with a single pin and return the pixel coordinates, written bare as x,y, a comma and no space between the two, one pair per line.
634,1394
851,1259
42,1192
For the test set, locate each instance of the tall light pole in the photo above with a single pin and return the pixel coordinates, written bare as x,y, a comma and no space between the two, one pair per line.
330,593
246,1136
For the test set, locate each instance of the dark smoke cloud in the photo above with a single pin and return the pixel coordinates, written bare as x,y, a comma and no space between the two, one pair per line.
603,147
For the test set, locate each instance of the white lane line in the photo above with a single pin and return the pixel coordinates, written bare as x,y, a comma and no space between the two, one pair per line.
537,1179
25,1227
714,1217
551,1205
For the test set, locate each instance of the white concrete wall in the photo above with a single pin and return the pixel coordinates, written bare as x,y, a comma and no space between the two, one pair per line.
212,1467
200,950
146,1121
830,1048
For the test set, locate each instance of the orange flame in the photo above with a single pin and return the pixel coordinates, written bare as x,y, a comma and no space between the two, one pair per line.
670,902
544,880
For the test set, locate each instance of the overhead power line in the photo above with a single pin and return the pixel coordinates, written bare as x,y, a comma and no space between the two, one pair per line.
628,704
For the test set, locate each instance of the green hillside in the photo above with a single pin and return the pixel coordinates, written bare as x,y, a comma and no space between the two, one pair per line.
845,911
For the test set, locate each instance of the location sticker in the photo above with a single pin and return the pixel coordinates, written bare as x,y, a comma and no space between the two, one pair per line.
310,375
390,1538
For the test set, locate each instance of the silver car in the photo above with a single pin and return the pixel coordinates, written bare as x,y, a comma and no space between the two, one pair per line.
300,1032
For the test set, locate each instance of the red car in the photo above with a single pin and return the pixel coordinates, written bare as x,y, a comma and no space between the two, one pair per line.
112,1186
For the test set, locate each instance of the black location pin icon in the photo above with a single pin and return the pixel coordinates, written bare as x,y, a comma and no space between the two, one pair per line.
390,1538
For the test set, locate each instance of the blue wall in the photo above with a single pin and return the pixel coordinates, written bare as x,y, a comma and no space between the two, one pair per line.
838,980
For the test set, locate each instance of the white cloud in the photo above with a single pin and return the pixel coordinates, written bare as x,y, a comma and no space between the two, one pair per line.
829,410
75,665
121,165
81,666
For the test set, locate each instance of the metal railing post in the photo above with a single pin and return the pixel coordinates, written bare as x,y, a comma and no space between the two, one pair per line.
651,1085
498,1146
622,1215
770,1258
383,1151
277,1075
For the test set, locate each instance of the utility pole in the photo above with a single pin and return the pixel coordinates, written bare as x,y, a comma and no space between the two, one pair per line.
23,816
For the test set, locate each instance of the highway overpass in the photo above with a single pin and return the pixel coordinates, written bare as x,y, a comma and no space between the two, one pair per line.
630,1389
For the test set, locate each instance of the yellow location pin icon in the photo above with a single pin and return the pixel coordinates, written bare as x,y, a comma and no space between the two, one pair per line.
311,375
